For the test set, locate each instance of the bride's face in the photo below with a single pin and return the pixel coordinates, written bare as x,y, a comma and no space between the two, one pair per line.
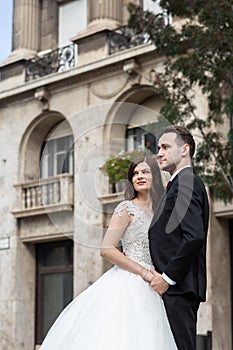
142,177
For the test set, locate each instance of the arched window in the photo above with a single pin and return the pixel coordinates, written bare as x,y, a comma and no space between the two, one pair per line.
57,153
143,127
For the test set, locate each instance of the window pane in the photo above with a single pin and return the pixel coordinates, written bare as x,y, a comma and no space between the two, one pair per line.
57,293
150,142
53,257
72,19
141,138
57,157
46,160
61,144
133,137
44,167
54,283
71,161
59,161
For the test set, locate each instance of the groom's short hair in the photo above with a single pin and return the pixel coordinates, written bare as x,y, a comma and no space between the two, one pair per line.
184,135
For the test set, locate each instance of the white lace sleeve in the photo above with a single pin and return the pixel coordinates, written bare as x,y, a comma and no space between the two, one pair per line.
130,208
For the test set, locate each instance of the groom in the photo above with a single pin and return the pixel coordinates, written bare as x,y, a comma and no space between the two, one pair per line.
178,236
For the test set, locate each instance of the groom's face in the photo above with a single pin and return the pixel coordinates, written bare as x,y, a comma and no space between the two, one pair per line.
170,153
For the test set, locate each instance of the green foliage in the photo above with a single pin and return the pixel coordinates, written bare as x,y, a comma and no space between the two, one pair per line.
116,166
197,54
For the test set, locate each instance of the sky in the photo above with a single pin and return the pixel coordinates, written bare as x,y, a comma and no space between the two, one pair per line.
6,21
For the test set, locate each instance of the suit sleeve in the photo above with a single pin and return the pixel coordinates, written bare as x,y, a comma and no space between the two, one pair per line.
188,216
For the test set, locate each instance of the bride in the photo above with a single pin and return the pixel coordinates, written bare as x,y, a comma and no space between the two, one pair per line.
121,311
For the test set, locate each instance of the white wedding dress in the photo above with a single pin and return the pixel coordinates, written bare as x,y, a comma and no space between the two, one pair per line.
120,311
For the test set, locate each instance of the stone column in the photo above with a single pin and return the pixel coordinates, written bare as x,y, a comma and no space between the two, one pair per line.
98,9
26,28
103,16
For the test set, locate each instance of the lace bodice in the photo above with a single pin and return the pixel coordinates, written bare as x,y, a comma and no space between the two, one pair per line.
135,241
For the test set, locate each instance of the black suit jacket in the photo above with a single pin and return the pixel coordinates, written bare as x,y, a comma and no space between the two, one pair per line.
178,234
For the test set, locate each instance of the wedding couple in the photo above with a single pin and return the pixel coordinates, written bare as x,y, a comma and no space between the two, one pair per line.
150,298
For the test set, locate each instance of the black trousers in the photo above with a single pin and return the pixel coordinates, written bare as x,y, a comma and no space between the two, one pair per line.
182,315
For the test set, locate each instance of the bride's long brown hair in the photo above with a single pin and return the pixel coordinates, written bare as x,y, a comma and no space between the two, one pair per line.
157,187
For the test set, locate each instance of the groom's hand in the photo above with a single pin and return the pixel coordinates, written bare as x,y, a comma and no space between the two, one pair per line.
158,283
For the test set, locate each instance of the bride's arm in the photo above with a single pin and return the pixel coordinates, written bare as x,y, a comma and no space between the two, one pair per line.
116,229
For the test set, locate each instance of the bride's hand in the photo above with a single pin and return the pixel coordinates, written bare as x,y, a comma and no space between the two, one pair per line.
147,275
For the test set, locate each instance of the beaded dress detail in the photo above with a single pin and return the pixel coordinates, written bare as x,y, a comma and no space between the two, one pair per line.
135,241
120,311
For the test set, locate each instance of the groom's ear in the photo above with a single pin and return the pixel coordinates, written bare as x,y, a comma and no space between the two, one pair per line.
186,150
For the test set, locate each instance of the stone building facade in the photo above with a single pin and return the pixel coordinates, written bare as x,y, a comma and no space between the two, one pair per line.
77,87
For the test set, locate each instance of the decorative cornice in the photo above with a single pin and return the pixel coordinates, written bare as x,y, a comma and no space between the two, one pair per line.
87,73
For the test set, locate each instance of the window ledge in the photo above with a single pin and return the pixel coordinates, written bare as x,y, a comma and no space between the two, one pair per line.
112,198
223,210
42,210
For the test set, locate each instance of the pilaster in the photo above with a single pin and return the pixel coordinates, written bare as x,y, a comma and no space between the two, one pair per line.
26,31
104,9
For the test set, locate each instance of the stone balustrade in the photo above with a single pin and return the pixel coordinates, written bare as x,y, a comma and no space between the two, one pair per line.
44,195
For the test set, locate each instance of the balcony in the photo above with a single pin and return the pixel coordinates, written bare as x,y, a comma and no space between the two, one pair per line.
124,38
61,59
50,62
54,194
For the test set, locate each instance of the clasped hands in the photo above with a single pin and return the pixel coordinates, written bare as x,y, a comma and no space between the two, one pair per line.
156,281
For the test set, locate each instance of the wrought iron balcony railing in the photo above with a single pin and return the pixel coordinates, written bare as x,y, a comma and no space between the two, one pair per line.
124,38
44,195
51,62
